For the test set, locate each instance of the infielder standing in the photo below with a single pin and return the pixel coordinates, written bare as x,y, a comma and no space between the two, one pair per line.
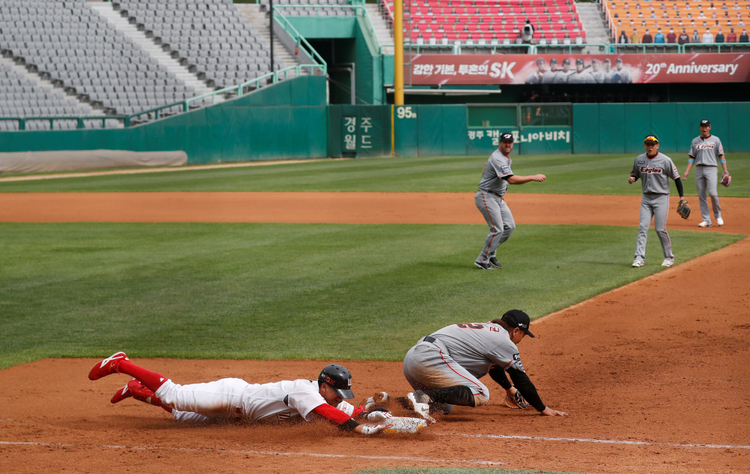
234,398
489,200
706,153
654,169
444,368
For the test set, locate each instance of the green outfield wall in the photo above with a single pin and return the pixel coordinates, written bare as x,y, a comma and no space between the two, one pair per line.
620,128
285,120
291,120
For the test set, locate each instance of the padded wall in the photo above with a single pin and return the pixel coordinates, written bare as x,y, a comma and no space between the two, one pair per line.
292,123
620,128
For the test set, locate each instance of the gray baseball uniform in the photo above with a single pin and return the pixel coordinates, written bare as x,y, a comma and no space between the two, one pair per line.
562,77
583,77
622,76
706,153
461,354
655,174
549,76
489,200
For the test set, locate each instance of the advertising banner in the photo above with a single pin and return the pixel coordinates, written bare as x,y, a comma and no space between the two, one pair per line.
476,69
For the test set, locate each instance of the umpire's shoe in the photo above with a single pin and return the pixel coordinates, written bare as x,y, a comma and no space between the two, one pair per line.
420,403
495,263
484,266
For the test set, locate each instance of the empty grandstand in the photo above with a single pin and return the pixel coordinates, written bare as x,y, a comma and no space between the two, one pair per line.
210,37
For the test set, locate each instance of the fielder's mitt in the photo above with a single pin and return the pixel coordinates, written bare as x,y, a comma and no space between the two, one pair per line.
380,399
726,179
516,401
683,209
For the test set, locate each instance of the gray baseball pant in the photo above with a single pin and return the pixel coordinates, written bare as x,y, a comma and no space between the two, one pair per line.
654,206
500,220
429,366
706,179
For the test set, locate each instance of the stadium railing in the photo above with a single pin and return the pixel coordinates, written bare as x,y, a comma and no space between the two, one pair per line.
662,48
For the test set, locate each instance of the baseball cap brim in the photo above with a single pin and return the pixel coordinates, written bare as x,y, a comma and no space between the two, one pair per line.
343,393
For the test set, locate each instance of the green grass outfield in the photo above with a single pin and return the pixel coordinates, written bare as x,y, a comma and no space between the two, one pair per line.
567,174
290,290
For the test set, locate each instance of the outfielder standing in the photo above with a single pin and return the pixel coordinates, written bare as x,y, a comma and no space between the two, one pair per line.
706,153
444,368
654,169
489,200
234,398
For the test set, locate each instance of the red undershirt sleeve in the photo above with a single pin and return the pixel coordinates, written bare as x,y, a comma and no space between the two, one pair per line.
331,413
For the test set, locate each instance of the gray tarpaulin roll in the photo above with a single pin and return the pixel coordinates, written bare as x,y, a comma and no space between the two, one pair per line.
42,161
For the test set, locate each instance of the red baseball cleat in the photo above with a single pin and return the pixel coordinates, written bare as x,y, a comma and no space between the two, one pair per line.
107,367
137,390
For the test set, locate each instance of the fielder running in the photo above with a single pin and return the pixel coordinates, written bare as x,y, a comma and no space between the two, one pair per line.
654,169
706,153
234,398
444,368
489,200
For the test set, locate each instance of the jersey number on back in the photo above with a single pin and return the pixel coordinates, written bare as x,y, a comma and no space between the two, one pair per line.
470,326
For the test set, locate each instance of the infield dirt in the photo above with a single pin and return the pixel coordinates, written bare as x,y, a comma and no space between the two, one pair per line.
656,375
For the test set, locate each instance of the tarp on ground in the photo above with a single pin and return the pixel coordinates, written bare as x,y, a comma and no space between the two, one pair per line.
72,160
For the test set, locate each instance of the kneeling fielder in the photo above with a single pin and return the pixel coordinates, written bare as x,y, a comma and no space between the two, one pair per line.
444,368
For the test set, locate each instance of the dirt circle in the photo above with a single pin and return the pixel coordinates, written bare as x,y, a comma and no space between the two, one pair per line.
656,374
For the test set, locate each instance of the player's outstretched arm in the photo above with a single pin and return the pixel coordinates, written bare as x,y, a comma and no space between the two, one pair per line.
526,179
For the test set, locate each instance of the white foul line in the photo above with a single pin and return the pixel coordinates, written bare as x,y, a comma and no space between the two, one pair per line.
601,441
262,453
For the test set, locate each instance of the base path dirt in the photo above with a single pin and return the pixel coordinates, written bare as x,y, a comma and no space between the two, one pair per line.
656,375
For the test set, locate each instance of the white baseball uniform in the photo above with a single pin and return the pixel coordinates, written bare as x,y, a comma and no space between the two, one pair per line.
235,398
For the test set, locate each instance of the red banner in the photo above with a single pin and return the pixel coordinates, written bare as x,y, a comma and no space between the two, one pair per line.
466,69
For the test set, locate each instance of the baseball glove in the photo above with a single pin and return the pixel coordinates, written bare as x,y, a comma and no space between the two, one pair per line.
726,179
683,209
516,401
380,399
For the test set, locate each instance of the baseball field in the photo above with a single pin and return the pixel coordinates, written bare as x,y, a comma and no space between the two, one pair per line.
271,271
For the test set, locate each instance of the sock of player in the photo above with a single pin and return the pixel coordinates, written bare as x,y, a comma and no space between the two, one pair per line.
153,400
456,395
150,379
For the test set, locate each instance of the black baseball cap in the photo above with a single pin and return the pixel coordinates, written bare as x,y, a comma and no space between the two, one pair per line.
579,61
566,61
553,61
705,123
506,137
516,318
651,139
339,378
